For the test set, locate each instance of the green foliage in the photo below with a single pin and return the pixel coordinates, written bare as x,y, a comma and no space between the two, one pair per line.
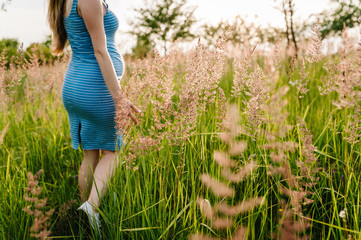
13,50
11,45
162,21
347,13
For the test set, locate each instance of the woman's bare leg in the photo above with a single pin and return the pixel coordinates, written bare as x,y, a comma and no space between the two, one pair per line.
85,177
103,172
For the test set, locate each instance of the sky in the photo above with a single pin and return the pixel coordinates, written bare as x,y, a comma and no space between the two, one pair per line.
26,19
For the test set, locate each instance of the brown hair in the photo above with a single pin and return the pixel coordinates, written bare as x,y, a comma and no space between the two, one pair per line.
56,13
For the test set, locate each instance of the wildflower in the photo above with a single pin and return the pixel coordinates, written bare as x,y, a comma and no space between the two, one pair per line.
343,213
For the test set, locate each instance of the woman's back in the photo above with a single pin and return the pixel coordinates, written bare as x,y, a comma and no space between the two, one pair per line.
80,41
85,94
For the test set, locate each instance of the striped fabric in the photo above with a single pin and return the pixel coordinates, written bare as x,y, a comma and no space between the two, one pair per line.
86,98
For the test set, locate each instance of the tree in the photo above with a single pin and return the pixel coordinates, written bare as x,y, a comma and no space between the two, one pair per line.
288,10
347,12
3,4
162,21
242,32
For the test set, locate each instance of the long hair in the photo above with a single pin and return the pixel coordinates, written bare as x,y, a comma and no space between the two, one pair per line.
56,13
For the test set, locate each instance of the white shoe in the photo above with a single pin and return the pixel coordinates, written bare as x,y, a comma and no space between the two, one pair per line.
93,216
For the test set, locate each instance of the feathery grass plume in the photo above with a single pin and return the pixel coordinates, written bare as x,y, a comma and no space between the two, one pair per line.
242,207
204,70
256,87
272,65
174,97
222,159
231,125
39,229
303,80
344,77
239,234
9,78
47,79
218,188
276,57
241,173
3,133
295,194
291,229
277,118
241,75
221,215
65,207
205,208
314,50
308,171
353,127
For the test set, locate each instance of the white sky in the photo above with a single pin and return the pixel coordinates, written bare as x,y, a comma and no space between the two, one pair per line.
26,19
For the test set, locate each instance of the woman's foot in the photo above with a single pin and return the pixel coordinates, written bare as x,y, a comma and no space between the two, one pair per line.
94,217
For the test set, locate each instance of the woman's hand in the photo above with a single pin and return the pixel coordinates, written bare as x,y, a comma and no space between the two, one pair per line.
124,109
134,109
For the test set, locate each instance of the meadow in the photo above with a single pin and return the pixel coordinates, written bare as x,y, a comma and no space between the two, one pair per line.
247,145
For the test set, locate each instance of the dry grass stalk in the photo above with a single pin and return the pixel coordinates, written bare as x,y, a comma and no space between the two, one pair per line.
2,136
39,229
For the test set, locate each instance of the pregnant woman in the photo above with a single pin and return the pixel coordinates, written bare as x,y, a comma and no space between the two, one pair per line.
91,91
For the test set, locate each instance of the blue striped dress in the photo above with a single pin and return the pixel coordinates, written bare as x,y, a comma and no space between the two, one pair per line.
85,96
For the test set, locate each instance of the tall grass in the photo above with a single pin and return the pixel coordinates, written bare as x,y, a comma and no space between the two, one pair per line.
184,98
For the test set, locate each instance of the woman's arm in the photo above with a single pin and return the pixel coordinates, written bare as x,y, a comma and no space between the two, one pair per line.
92,14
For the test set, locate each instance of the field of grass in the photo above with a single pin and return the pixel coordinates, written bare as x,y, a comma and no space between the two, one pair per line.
155,189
